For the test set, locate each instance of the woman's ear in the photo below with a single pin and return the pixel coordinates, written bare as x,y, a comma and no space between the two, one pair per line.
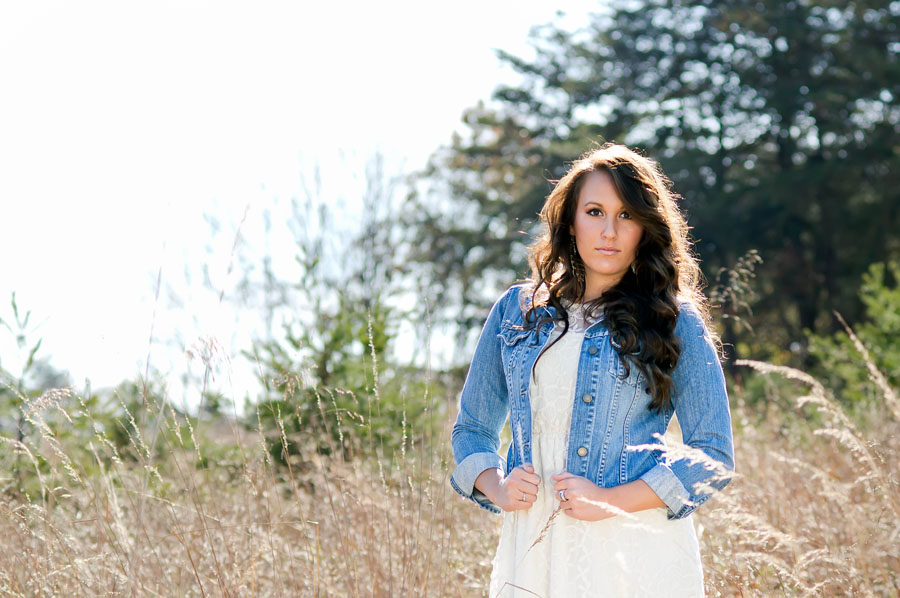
572,230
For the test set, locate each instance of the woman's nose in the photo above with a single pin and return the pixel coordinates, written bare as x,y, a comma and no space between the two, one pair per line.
609,231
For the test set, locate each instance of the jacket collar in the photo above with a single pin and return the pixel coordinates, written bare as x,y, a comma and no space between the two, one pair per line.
596,329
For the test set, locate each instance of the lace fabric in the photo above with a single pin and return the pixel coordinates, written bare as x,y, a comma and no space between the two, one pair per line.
548,554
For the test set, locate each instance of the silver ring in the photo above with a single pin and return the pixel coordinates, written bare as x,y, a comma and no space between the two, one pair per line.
523,497
562,495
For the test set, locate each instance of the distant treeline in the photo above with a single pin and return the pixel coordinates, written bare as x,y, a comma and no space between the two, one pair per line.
777,121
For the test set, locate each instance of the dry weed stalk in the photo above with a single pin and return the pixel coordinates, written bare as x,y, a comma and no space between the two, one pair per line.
841,428
888,394
804,517
229,522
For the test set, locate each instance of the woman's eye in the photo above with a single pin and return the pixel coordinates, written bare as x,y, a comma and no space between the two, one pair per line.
594,212
625,215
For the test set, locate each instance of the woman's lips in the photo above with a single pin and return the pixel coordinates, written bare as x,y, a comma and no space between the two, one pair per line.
607,250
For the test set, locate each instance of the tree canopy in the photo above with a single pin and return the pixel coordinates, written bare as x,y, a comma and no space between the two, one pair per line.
776,121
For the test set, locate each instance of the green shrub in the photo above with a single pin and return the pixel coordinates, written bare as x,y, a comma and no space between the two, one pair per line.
839,362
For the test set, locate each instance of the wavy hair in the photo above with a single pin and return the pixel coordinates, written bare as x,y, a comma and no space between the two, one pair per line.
641,309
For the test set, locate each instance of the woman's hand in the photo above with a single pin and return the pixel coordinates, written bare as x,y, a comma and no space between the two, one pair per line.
585,500
515,492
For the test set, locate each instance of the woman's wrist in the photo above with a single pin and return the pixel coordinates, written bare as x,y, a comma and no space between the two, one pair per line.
488,482
631,497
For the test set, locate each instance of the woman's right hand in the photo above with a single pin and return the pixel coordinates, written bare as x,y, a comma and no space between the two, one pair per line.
515,492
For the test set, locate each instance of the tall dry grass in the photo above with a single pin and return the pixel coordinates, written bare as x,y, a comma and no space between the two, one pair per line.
202,510
816,509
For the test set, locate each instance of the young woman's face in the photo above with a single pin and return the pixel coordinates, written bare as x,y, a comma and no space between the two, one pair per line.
605,234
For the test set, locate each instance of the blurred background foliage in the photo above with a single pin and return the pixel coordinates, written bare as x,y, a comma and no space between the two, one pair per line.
838,360
777,122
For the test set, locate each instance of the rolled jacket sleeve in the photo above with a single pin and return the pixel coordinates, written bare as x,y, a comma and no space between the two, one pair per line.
688,477
483,409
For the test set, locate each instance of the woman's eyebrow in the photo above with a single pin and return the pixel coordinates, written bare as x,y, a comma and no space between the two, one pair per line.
597,203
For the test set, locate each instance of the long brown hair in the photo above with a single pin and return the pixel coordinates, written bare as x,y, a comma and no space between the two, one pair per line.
641,309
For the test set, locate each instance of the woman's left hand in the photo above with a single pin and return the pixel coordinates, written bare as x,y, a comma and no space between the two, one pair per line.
585,500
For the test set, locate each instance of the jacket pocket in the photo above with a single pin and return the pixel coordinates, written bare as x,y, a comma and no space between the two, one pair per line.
512,334
616,366
617,369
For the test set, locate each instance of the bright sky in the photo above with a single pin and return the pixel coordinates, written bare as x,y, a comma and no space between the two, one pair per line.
123,123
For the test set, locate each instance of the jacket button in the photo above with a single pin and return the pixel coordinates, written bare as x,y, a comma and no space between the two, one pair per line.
582,451
587,398
592,350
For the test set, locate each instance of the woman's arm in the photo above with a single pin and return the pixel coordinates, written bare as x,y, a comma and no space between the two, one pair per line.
633,496
483,408
587,501
689,475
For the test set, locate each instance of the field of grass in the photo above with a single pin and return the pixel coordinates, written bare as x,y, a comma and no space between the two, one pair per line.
188,507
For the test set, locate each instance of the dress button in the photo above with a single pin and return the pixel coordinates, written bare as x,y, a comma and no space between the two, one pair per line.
582,451
587,398
592,350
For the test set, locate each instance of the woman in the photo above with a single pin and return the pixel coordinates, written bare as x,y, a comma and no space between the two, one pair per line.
589,361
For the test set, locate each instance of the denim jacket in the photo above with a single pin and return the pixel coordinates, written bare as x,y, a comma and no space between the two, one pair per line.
610,418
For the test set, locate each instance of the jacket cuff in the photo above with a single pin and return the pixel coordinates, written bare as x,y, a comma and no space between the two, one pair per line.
663,481
463,477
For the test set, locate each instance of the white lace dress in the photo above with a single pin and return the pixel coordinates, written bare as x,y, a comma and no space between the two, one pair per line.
642,555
